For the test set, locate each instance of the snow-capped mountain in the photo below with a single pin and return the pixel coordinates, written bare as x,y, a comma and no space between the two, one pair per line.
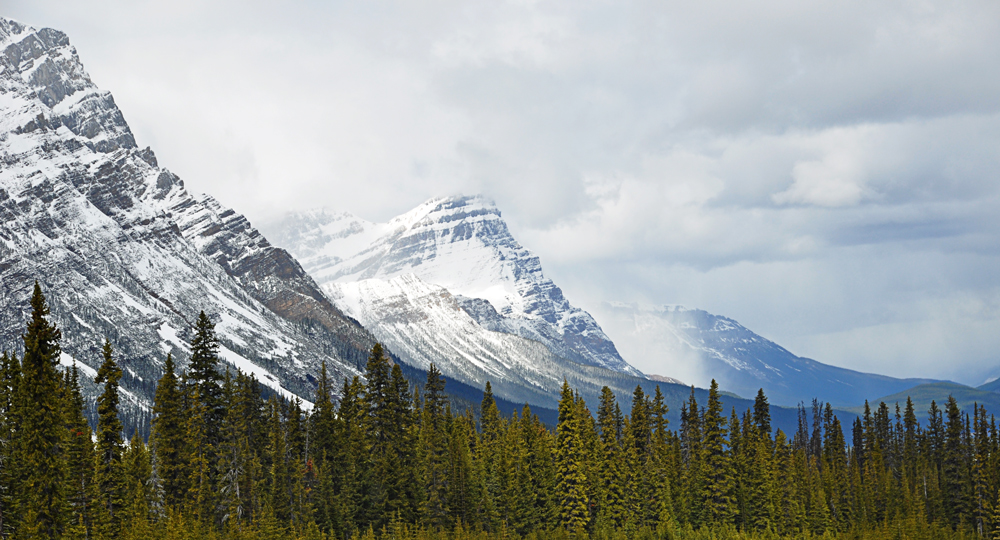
123,251
463,245
697,346
424,323
447,283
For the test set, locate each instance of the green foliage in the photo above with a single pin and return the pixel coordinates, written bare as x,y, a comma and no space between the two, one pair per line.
376,460
167,437
571,480
39,456
109,477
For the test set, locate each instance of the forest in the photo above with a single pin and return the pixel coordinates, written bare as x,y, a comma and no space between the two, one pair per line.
388,460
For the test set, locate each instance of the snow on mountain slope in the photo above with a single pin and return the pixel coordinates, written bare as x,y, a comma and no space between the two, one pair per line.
697,346
424,323
123,251
463,245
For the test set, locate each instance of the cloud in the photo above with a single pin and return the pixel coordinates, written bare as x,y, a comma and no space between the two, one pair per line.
815,170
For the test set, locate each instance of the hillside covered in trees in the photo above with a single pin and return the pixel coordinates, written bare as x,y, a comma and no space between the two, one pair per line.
394,461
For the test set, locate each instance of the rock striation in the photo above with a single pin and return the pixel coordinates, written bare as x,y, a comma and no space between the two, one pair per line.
123,251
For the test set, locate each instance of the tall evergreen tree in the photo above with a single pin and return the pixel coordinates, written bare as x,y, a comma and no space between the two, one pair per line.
955,468
10,377
167,437
138,470
718,486
80,461
434,445
41,458
571,480
109,476
204,376
762,414
280,489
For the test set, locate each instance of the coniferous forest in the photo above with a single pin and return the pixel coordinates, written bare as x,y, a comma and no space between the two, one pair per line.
391,461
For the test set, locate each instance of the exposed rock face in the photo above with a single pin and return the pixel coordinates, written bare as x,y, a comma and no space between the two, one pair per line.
463,245
123,251
424,323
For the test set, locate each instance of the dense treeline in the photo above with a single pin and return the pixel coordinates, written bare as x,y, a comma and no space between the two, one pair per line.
389,461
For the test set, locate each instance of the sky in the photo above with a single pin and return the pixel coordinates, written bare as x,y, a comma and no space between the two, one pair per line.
827,173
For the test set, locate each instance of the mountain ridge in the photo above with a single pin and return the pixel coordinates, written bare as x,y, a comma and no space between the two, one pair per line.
741,360
459,243
125,252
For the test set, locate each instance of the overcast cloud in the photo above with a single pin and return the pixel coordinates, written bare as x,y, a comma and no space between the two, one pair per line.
824,172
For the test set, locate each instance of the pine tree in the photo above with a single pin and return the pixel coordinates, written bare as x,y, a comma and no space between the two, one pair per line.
718,486
41,459
954,467
434,446
10,377
167,437
612,511
138,469
80,460
351,468
541,487
109,476
279,500
488,454
198,453
659,464
236,452
462,481
762,414
203,370
387,396
570,477
690,507
324,428
405,494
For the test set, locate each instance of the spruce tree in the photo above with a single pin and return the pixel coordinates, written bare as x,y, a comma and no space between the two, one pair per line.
109,476
541,484
80,461
955,467
570,477
167,437
198,452
718,478
10,377
463,488
138,469
434,446
280,489
387,397
612,504
488,453
324,430
203,375
352,467
41,458
236,453
762,414
405,494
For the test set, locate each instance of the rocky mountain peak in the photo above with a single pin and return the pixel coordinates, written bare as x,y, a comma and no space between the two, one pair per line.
42,76
462,244
123,251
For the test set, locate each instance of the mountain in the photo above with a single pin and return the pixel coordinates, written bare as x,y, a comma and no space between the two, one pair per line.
463,245
448,283
123,251
697,346
990,386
